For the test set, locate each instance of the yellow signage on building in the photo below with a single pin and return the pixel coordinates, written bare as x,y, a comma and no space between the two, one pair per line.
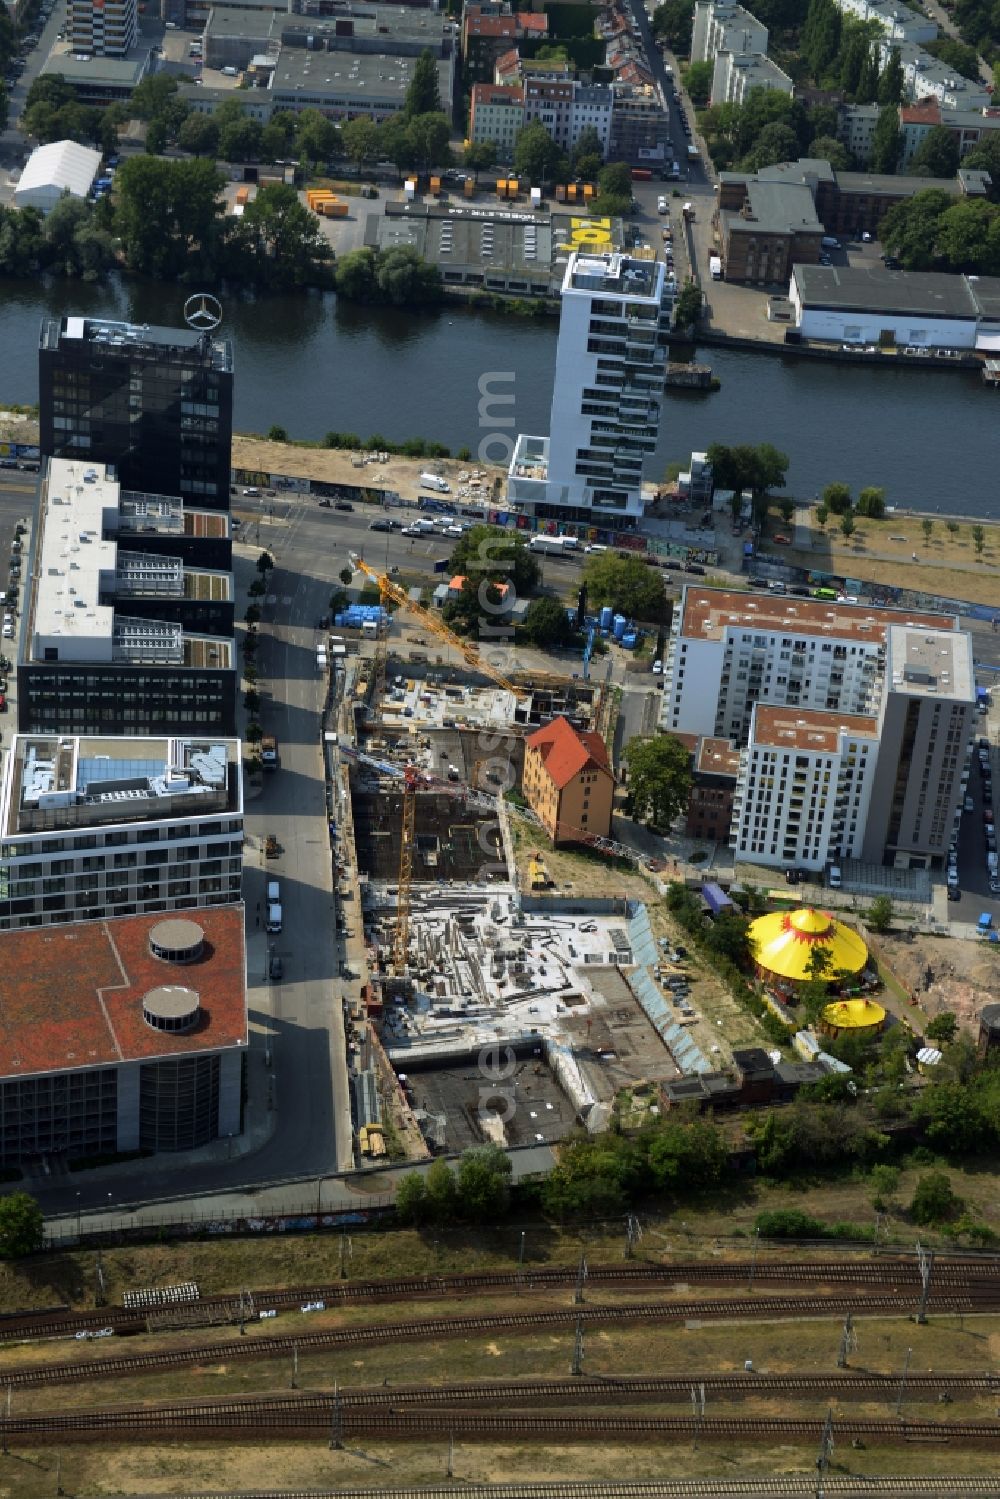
588,234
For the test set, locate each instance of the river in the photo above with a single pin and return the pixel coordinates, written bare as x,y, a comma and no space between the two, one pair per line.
309,364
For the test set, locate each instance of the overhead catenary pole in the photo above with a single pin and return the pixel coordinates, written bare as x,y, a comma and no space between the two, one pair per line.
825,1454
577,1365
336,1422
902,1381
581,1276
848,1341
925,1263
753,1261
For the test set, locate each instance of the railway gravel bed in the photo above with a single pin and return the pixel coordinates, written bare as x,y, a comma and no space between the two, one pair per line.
793,1486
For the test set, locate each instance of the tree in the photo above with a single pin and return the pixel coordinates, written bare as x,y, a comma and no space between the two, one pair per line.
871,503
20,1226
316,138
278,241
944,1027
156,136
239,140
910,228
786,509
265,562
828,148
968,236
480,156
672,23
887,143
885,1185
428,134
934,1199
659,779
483,1188
404,279
440,1193
411,1199
698,82
588,146
423,95
688,305
978,539
688,1157
164,210
152,96
615,181
628,584
852,60
394,142
867,90
847,524
547,623
822,514
880,913
200,135
355,275
361,140
535,153
937,155
953,527
891,84
927,526
497,554
956,55
277,434
837,498
776,142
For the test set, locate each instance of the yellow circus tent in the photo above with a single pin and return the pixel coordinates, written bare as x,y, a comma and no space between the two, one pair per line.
783,942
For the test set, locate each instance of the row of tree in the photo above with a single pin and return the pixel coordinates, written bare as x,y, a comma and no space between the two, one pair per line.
935,231
769,127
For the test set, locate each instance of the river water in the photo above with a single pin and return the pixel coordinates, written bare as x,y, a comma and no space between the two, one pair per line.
309,364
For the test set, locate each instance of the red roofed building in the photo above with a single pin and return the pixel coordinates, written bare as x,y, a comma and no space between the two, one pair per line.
490,30
122,1035
568,781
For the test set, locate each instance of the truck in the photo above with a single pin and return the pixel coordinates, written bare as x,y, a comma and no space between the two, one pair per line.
693,154
554,545
435,481
688,210
715,267
642,174
269,752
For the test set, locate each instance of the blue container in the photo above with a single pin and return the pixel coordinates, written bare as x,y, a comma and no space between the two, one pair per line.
629,640
606,616
619,626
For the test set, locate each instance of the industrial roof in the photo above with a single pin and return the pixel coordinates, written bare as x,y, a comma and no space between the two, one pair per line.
783,942
377,76
986,295
776,208
857,289
566,751
63,164
73,994
708,612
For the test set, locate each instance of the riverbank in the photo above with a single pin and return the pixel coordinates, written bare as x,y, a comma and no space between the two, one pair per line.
893,359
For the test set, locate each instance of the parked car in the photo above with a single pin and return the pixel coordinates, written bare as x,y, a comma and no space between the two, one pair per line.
276,968
782,541
342,505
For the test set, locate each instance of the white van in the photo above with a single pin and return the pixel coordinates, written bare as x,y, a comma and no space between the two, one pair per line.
273,893
834,878
829,243
274,918
230,72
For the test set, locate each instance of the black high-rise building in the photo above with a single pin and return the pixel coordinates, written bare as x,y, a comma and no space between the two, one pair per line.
157,403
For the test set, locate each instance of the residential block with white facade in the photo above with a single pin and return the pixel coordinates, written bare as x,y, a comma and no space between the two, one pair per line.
723,26
497,114
105,28
566,107
866,712
898,23
610,370
91,828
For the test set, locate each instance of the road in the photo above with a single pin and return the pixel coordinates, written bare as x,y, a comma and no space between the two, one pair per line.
13,147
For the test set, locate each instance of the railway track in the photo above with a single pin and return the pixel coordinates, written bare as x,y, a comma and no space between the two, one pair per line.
310,1416
792,1486
957,1275
282,1346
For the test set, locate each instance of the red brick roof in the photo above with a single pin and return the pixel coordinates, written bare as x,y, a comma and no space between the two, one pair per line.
497,93
71,996
566,751
927,112
530,20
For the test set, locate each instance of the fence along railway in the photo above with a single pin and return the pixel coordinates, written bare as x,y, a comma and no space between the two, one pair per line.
903,1274
981,1299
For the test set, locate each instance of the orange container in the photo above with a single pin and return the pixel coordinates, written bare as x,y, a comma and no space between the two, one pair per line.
470,187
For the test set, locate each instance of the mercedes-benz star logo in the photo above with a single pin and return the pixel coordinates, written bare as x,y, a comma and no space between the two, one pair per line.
203,312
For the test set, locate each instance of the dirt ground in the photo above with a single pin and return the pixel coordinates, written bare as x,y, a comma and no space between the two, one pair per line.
883,552
947,975
335,466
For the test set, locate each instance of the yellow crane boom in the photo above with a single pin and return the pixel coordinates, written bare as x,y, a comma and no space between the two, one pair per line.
434,626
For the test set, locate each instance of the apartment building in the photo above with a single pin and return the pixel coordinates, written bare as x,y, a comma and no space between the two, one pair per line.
715,767
103,28
858,699
856,128
490,30
968,126
736,73
567,780
122,1035
157,403
925,76
722,26
640,126
116,639
897,23
804,787
496,114
610,369
91,828
566,107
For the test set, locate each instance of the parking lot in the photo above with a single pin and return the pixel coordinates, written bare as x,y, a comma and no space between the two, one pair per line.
976,895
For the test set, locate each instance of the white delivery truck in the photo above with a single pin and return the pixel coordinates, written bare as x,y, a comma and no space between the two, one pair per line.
715,267
434,481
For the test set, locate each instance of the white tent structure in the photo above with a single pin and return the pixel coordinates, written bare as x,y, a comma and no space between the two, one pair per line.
62,167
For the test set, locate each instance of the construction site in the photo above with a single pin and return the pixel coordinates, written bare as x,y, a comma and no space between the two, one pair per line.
496,1005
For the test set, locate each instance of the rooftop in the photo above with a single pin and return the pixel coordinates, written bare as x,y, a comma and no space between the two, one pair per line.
718,757
73,995
51,783
619,274
874,289
465,235
566,751
874,185
497,93
776,208
62,164
364,75
935,663
139,339
707,613
808,728
125,72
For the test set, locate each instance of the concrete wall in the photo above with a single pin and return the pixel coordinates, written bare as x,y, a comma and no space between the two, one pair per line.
868,327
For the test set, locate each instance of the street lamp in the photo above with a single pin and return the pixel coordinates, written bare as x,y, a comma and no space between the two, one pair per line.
79,1210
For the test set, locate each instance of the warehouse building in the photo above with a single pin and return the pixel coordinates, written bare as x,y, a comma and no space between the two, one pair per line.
122,1036
118,827
916,309
54,170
